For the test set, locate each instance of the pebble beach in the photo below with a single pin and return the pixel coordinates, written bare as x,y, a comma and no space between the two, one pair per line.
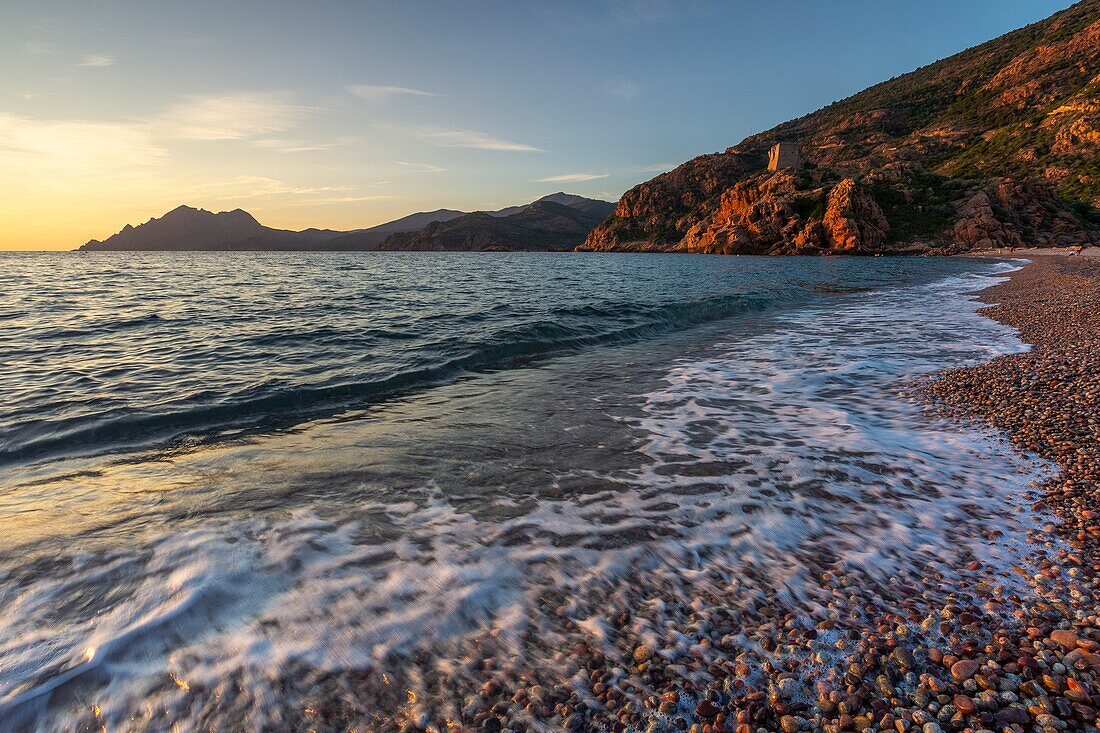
1046,401
971,648
961,650
964,649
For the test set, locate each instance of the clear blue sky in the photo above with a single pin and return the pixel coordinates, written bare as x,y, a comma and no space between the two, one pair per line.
347,114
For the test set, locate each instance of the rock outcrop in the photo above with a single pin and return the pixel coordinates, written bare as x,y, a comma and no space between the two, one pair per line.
1014,214
752,217
853,222
979,228
657,214
996,146
784,213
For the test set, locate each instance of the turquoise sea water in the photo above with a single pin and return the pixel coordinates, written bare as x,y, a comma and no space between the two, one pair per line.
199,449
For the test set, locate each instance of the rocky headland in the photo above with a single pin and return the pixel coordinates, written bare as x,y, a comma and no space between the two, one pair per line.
996,146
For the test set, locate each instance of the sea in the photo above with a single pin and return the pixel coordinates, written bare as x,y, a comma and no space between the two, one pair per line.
227,479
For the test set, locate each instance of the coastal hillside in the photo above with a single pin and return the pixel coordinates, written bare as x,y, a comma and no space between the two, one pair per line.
505,237
996,146
367,239
545,225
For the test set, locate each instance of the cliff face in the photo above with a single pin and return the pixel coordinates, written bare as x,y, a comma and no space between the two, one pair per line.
778,214
996,146
655,215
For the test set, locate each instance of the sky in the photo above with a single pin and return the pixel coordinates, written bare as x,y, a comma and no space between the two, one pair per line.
348,114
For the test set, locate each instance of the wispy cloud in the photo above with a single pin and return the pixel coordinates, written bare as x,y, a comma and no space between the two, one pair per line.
469,139
380,93
341,200
286,194
656,168
39,48
421,167
249,187
572,178
70,154
188,41
96,60
641,12
231,116
59,152
295,146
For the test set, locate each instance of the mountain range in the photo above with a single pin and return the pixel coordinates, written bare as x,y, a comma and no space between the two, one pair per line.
549,224
555,222
996,146
187,228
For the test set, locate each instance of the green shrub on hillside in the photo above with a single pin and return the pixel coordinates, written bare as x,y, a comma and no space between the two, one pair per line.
921,207
810,207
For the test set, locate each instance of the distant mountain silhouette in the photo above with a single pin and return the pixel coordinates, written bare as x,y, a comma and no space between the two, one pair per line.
545,225
186,228
366,239
375,237
565,199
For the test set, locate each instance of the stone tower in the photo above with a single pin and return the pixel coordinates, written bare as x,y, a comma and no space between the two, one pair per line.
784,155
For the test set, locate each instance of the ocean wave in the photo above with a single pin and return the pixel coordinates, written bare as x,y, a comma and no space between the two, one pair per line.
274,404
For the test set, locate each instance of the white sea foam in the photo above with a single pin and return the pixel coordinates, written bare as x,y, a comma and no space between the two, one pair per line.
786,450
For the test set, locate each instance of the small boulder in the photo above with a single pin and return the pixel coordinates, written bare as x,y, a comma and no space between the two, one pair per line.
964,669
790,724
1064,638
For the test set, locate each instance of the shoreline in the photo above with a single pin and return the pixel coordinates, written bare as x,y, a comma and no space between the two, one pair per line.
1026,252
1046,402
